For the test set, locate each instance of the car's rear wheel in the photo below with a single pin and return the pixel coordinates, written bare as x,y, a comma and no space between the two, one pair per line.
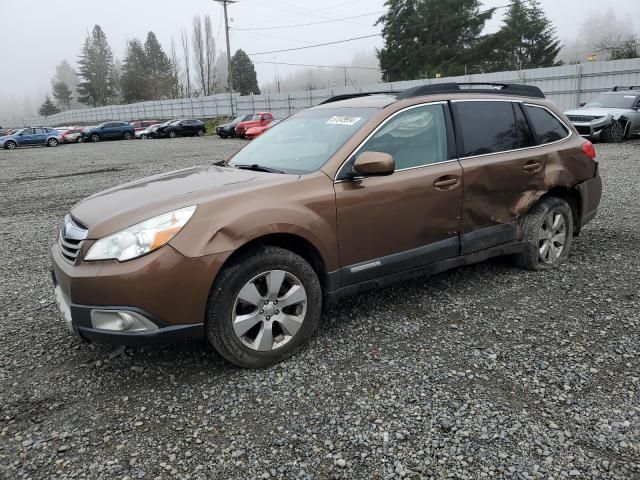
144,136
172,134
127,135
79,140
547,235
95,138
614,133
263,307
52,142
10,145
200,132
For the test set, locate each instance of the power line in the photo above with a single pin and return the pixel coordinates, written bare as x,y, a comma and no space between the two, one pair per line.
318,44
373,35
319,66
312,23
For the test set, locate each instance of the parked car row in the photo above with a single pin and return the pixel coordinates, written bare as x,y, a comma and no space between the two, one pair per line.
51,137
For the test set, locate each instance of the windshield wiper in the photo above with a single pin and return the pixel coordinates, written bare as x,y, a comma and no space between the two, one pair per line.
259,168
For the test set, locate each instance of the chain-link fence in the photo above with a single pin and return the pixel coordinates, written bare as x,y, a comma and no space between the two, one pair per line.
568,86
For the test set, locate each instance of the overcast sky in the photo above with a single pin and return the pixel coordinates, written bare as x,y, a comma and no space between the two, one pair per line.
36,35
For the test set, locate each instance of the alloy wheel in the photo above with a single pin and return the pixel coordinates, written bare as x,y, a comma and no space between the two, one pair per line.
269,310
11,145
617,132
552,237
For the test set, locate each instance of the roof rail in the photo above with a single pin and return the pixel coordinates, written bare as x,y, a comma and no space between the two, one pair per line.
493,88
632,87
347,96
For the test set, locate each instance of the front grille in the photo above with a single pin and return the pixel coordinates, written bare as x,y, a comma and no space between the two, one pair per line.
70,239
582,118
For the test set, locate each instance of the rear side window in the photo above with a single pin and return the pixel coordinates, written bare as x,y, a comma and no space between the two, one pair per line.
547,127
486,127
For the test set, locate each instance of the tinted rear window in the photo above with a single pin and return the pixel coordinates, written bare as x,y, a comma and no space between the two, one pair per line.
547,127
487,127
525,135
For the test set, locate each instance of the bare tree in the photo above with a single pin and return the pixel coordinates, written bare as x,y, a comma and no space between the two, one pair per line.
184,37
177,86
210,55
199,52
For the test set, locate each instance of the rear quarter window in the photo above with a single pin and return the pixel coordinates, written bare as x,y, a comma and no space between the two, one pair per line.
547,127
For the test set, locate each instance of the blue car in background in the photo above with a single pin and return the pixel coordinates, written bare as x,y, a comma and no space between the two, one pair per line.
31,136
109,131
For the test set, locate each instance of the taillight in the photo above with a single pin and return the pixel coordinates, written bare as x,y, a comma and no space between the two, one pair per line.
589,149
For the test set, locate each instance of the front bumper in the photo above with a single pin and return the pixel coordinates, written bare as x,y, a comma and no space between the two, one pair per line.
167,289
592,129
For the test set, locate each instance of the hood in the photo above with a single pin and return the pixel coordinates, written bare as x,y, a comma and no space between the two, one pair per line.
597,112
125,205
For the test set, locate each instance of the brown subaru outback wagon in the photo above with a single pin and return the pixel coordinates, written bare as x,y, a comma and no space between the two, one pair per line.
359,192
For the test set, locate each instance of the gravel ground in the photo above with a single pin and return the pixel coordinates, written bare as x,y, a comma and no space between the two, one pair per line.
482,372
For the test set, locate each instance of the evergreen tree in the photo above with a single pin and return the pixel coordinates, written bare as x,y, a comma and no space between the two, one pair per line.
526,40
48,108
96,68
62,94
428,37
159,69
135,81
245,80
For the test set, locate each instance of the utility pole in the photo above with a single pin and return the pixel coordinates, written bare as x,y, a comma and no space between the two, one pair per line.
229,67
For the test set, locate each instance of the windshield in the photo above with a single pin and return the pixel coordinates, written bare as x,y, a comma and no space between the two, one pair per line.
304,142
16,132
613,100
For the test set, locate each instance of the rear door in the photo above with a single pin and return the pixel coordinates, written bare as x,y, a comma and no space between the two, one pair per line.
39,136
502,170
411,218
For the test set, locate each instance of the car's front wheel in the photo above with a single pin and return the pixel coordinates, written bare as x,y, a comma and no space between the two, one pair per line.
263,307
127,135
172,134
200,132
144,136
52,142
95,138
547,235
615,133
10,145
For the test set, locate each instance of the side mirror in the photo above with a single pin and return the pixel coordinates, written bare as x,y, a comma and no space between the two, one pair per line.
583,104
374,164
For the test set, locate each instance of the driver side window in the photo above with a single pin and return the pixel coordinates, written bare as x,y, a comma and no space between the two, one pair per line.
415,137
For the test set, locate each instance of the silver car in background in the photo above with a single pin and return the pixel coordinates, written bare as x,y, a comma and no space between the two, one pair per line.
611,116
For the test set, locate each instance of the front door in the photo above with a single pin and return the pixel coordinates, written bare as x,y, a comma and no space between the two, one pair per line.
25,137
411,218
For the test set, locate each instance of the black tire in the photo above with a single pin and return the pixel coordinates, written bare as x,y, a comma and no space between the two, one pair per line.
127,136
52,142
531,258
10,145
200,132
222,136
79,139
172,134
222,302
614,133
144,137
95,138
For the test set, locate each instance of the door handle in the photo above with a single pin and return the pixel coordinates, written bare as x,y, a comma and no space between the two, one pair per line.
446,182
532,167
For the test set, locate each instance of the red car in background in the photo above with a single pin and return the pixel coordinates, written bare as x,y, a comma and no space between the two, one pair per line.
254,132
261,119
141,125
72,135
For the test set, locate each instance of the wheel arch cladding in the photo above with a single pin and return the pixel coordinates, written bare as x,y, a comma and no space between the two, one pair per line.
288,241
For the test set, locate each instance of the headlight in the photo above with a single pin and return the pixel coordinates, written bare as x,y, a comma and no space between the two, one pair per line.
141,238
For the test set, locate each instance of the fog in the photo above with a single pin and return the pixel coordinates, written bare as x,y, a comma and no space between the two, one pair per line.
37,35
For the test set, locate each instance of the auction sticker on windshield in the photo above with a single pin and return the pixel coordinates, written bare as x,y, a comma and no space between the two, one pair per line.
342,120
